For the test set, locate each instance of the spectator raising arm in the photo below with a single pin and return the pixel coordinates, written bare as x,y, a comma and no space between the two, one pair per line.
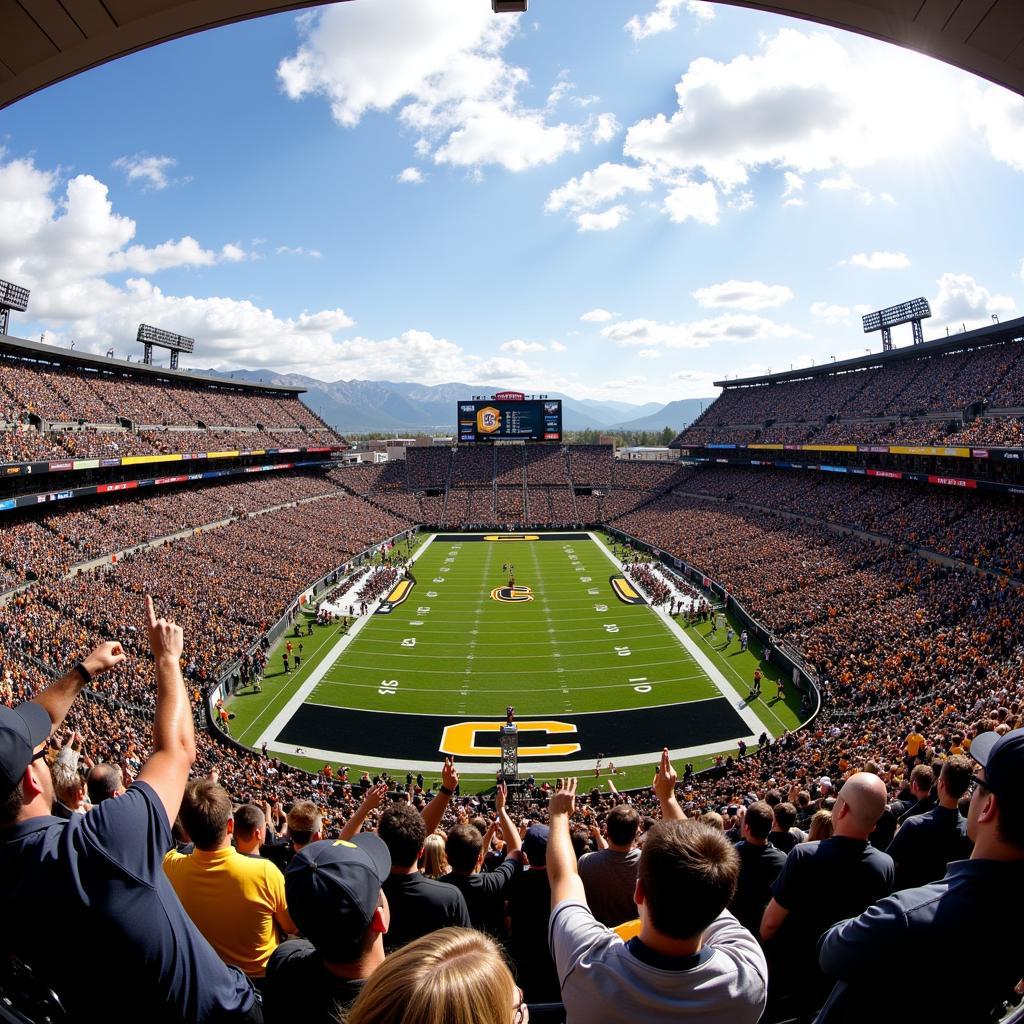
174,736
434,811
510,833
373,799
565,881
664,786
58,697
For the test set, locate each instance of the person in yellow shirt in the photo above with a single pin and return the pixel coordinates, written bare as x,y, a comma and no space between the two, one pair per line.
915,741
237,902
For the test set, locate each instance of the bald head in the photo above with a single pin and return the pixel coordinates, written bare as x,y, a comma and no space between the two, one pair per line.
863,797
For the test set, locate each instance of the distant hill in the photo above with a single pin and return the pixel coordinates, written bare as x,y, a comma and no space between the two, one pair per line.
676,415
363,406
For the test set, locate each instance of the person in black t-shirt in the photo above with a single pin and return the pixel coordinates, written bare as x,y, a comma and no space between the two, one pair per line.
419,905
529,911
484,892
926,843
781,836
760,866
824,882
335,897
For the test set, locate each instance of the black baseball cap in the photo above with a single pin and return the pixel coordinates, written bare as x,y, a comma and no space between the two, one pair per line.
22,729
1002,757
333,887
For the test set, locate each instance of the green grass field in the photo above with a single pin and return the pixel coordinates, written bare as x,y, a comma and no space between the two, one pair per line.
452,649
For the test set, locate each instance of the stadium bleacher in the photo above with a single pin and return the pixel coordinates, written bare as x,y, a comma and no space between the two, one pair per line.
973,396
909,623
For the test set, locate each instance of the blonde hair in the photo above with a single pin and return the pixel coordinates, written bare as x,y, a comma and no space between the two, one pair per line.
821,826
435,860
451,976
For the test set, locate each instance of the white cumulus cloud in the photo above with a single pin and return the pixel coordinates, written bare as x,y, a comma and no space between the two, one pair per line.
446,75
148,171
999,115
692,200
961,301
520,346
608,220
878,260
606,127
598,316
730,327
663,17
749,295
411,176
594,188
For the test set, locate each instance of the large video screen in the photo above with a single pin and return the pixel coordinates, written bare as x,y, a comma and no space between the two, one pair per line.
532,420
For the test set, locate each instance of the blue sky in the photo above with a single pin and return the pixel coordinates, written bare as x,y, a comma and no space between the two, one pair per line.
614,200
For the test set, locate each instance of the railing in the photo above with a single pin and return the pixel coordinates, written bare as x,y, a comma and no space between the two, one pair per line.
781,653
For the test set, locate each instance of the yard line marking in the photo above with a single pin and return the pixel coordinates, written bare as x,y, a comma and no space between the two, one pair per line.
739,705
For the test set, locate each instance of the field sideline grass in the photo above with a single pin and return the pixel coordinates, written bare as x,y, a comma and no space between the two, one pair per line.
515,653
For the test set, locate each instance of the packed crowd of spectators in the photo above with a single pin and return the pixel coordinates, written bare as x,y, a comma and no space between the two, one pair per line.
34,546
982,529
920,666
857,401
427,467
64,393
60,394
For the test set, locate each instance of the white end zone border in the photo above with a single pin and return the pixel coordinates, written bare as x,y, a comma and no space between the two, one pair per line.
299,697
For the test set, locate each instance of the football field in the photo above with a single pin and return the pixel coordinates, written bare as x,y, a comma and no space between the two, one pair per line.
546,623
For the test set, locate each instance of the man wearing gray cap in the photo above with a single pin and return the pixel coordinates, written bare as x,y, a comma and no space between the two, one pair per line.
977,907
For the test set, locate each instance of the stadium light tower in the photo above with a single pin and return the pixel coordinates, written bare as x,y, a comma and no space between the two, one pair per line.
508,6
12,296
911,312
150,336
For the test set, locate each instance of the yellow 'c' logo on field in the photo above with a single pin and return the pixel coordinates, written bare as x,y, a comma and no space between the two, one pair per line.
460,739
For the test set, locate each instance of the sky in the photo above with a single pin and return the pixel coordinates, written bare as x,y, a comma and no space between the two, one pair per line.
613,199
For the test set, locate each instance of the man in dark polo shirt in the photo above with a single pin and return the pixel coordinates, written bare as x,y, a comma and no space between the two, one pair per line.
334,895
927,843
99,876
781,837
485,892
979,902
418,904
760,866
922,799
824,882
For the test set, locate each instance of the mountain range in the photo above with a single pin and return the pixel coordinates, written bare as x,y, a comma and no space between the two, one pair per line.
366,406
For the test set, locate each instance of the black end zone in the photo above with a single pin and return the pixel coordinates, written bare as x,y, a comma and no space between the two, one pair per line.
407,737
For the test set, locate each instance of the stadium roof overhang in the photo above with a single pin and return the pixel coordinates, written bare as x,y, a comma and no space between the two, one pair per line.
24,349
1009,330
46,41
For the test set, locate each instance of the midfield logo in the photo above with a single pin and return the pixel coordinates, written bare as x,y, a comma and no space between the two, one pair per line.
512,595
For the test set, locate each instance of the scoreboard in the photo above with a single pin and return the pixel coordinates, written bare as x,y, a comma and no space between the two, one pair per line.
504,419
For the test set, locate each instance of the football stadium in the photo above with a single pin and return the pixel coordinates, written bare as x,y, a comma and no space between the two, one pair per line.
299,721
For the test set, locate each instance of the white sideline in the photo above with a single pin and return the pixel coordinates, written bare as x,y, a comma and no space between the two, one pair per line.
298,698
529,767
754,723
